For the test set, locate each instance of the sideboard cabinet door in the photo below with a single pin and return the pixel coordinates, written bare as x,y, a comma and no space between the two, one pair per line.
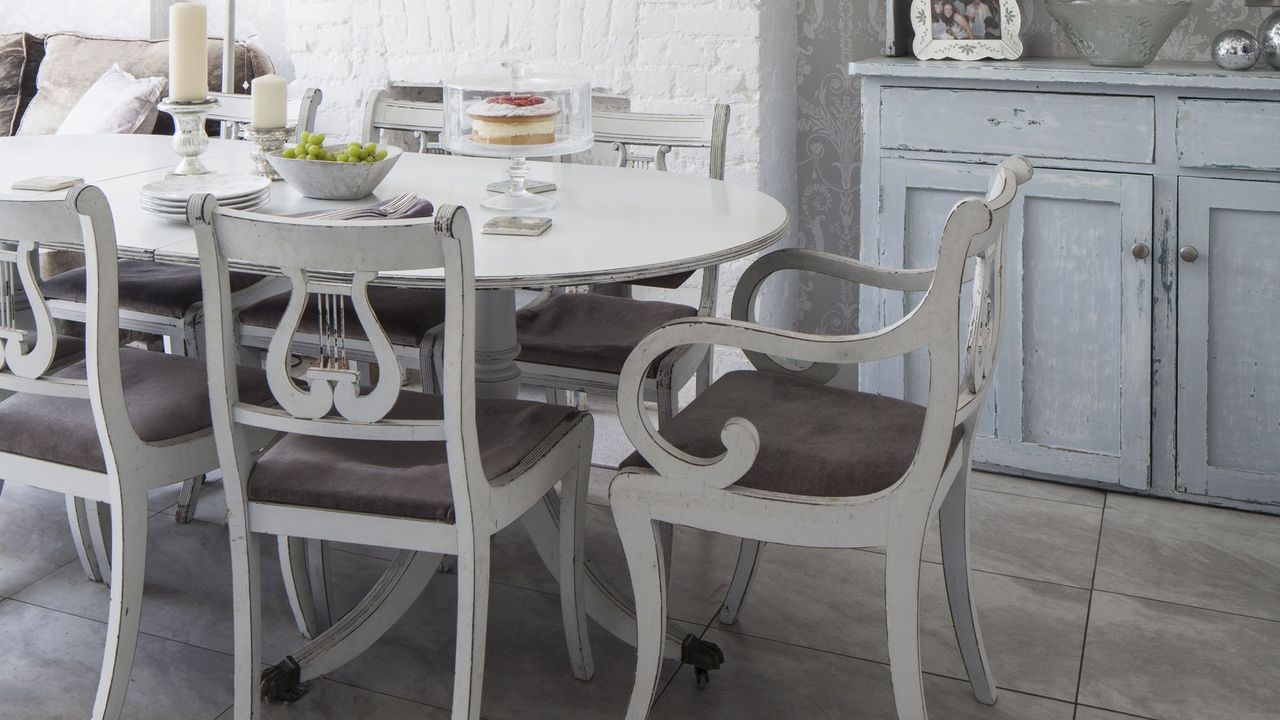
1072,393
1229,339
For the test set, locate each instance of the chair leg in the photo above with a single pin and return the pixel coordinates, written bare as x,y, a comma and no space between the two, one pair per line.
78,519
953,522
297,583
129,548
736,595
318,570
640,542
246,591
573,604
902,611
98,516
554,396
188,499
473,620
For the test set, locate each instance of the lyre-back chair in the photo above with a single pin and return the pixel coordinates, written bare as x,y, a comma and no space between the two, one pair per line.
164,300
424,120
778,455
106,429
577,342
430,475
235,111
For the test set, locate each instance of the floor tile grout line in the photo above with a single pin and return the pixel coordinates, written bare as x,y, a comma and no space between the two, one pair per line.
385,694
1088,615
14,594
1216,611
1114,712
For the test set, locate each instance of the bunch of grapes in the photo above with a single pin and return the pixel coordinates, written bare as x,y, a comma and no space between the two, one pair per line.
311,147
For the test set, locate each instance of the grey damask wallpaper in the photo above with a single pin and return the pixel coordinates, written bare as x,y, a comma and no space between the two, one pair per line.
833,33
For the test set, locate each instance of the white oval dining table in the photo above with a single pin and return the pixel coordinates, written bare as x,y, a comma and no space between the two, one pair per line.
608,224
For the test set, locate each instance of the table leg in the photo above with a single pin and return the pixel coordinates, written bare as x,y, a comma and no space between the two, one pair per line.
497,375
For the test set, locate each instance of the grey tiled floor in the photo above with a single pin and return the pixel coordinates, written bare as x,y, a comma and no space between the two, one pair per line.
1095,607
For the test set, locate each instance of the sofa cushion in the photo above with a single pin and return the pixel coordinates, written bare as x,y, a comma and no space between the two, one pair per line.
20,55
72,62
118,103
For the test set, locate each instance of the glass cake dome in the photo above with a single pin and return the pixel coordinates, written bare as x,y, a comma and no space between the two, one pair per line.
517,115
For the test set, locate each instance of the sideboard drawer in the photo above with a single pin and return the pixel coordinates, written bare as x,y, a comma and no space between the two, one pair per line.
1229,134
1046,125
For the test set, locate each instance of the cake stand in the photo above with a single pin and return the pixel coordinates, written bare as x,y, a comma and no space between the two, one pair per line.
564,103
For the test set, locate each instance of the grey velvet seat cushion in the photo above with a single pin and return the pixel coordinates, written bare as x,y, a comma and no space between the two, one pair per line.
167,396
20,55
404,479
145,286
406,314
815,440
590,332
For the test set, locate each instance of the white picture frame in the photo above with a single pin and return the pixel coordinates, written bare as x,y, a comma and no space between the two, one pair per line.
966,32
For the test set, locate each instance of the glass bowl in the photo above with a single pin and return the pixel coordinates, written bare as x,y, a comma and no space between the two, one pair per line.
1118,33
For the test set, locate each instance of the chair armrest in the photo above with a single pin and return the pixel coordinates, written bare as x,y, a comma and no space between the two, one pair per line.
740,437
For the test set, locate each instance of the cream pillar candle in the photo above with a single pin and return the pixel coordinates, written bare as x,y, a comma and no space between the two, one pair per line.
268,102
188,52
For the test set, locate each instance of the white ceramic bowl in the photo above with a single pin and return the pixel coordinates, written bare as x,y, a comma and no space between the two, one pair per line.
326,180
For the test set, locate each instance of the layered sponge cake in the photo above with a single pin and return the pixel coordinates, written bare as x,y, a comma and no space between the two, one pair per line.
514,120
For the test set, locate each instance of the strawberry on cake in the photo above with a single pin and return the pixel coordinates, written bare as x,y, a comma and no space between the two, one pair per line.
514,120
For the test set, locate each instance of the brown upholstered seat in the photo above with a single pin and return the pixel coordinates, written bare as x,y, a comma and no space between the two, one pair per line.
406,314
589,331
149,287
167,397
815,440
405,479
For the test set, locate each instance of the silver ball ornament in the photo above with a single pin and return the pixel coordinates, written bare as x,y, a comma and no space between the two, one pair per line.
1269,39
1235,50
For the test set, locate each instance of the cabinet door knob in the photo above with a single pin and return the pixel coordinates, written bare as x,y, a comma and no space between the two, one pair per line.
1142,251
1189,254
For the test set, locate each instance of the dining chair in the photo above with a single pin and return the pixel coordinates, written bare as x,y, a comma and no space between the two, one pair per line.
163,300
424,120
107,428
235,111
777,454
578,341
380,464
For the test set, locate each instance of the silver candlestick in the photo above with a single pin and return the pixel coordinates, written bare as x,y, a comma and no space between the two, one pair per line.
189,137
266,141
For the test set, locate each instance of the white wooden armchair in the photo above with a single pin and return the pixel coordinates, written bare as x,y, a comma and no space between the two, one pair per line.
427,474
424,120
577,342
106,429
777,455
163,300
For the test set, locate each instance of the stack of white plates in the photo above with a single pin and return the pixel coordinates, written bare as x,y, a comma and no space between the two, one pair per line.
168,198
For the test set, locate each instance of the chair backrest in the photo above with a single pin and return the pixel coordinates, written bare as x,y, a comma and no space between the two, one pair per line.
658,134
336,261
235,111
28,333
424,119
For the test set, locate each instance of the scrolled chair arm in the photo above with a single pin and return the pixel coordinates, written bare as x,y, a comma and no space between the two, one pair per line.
739,436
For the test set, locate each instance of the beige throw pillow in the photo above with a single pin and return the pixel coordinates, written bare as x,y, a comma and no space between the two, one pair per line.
116,103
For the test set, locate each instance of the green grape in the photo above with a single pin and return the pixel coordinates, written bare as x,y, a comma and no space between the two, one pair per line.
331,157
382,155
315,154
303,137
353,146
290,153
352,159
342,157
317,139
371,148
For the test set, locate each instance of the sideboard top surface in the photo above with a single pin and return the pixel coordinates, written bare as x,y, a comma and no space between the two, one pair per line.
1201,75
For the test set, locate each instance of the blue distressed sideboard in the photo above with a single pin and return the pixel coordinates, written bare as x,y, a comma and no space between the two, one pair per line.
1142,324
